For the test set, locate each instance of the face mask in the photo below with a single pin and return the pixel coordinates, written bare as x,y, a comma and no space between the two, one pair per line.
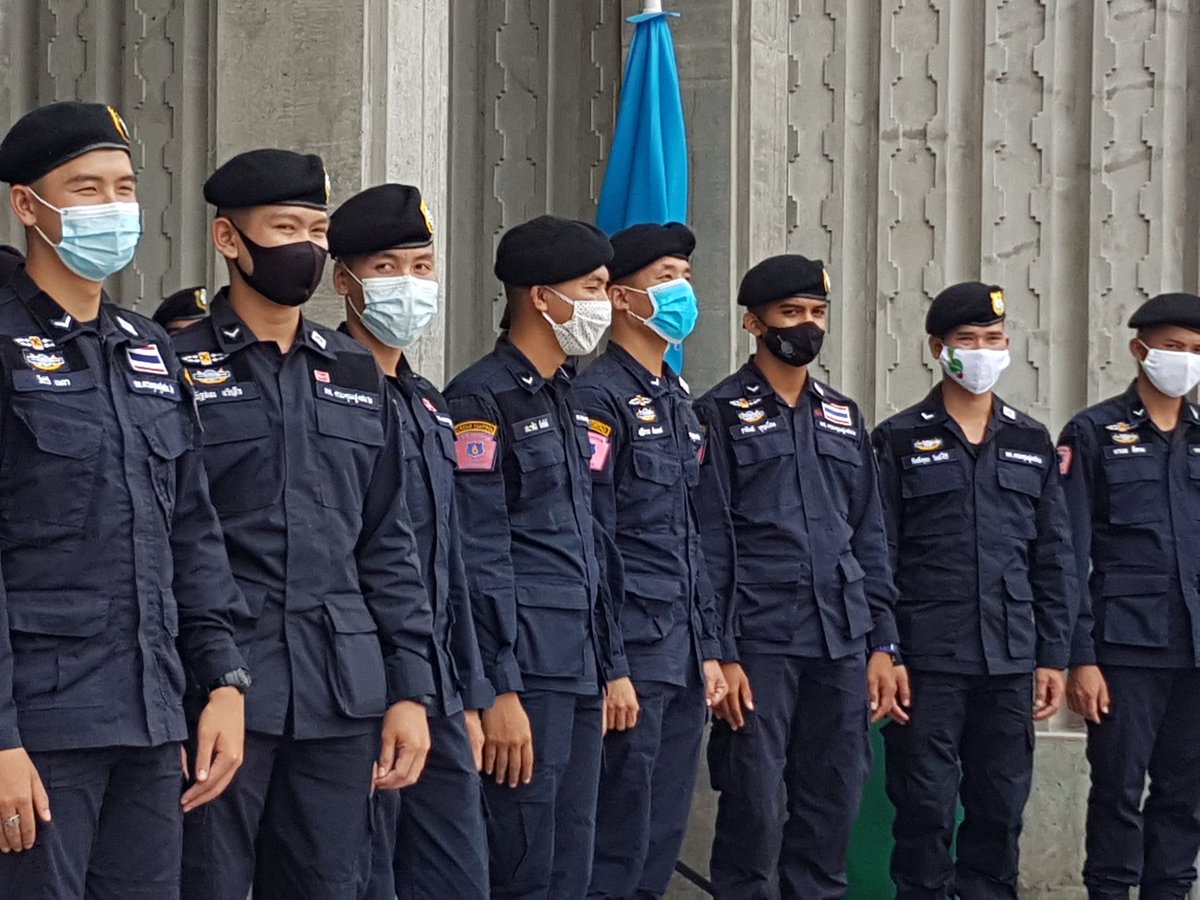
97,241
796,346
582,332
397,309
1174,372
976,370
675,309
287,274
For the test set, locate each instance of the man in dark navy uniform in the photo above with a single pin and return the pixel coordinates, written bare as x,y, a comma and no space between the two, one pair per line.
428,840
977,525
646,446
1132,473
302,444
793,537
182,308
530,548
114,574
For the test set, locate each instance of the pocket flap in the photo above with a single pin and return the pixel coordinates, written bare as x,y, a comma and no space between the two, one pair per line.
364,426
760,447
1021,478
239,420
61,431
169,435
554,596
925,482
1018,587
851,569
539,452
838,447
1135,584
654,588
655,467
54,613
350,618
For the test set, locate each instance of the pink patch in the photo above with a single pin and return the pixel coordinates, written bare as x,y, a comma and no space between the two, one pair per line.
321,376
601,447
1065,457
475,451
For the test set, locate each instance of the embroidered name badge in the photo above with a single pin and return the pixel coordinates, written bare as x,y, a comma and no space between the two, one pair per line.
1023,456
475,446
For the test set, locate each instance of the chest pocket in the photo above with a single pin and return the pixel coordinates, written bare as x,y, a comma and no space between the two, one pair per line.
168,436
241,455
50,469
657,468
766,470
349,443
841,449
1131,487
541,460
1021,486
934,499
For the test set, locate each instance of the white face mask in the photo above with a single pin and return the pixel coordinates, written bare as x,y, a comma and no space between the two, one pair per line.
976,370
397,308
1174,372
581,333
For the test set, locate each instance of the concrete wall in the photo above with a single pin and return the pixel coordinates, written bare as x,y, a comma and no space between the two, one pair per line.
1049,145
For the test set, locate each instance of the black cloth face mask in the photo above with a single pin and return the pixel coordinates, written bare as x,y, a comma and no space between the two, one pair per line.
287,274
796,346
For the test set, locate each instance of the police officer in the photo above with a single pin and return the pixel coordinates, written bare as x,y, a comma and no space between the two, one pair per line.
794,540
182,308
977,526
645,463
11,259
1132,473
529,544
114,574
303,449
428,840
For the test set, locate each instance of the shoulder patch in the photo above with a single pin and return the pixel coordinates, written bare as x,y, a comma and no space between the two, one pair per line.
475,446
1066,456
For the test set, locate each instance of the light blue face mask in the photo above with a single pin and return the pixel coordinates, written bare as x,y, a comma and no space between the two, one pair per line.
97,241
397,309
675,309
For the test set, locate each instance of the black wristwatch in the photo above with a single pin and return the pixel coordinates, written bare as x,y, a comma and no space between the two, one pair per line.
892,650
238,678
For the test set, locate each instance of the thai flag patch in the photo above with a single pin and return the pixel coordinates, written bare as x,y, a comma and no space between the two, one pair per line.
146,360
837,414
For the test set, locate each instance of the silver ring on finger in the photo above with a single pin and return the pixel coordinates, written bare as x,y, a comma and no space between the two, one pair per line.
13,821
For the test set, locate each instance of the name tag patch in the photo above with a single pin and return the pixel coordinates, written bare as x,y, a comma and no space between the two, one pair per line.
61,382
230,392
347,396
532,426
1128,452
1024,457
921,460
843,430
155,387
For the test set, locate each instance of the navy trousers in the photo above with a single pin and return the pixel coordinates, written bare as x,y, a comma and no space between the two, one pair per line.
646,787
291,825
115,827
429,840
808,735
1153,729
970,738
540,834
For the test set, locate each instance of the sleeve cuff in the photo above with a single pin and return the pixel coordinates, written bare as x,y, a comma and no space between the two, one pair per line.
617,668
216,663
883,633
478,694
409,677
1083,655
1053,657
506,676
10,735
731,652
710,648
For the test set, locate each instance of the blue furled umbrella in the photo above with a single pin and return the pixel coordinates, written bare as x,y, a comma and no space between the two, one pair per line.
647,175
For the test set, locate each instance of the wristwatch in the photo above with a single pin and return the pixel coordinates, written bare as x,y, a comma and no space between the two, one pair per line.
892,650
238,678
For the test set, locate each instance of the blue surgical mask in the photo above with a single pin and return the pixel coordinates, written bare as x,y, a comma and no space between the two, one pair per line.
397,309
675,309
97,241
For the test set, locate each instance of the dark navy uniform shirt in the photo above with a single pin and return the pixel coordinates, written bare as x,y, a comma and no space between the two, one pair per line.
1134,496
979,540
645,464
790,521
528,533
305,466
429,464
111,555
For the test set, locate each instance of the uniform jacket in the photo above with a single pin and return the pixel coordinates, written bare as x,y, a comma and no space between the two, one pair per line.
111,558
979,541
645,464
790,521
305,465
1134,497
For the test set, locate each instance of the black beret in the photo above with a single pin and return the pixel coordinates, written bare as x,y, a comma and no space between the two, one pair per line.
45,138
267,178
380,218
968,303
550,250
1168,309
788,275
10,260
638,246
189,303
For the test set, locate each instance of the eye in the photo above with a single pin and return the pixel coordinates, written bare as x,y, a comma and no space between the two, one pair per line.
384,268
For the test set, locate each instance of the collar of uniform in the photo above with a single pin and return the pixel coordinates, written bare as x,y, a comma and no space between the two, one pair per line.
54,321
1135,409
523,371
651,384
752,381
312,339
933,407
231,332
